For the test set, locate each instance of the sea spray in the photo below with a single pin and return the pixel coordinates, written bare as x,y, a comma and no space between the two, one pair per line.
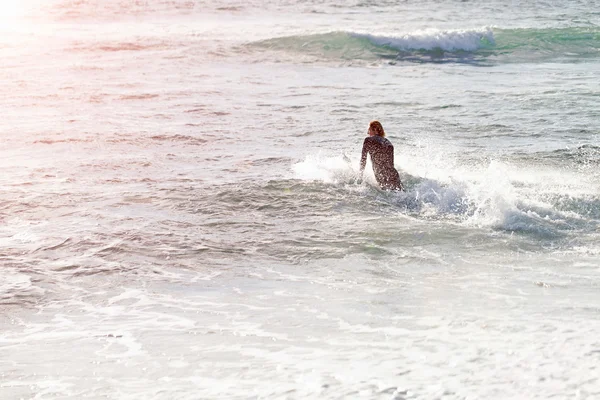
326,168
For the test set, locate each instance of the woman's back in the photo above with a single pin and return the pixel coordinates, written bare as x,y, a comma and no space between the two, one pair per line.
382,152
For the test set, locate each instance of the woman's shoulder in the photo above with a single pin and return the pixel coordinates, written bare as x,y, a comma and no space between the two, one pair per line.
377,140
382,140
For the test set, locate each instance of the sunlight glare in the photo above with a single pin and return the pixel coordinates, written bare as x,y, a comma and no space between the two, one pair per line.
11,9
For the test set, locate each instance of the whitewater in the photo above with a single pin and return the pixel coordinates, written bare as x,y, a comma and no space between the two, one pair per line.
181,215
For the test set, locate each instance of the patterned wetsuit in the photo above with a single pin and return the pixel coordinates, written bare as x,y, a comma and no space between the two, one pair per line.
382,158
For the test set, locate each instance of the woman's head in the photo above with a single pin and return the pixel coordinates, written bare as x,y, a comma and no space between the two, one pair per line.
376,129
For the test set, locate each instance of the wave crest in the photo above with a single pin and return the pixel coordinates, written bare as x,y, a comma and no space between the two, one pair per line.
448,40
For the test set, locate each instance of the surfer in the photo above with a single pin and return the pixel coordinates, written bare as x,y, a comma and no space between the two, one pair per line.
382,158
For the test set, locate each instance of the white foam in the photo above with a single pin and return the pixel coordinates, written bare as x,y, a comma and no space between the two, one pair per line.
492,193
430,39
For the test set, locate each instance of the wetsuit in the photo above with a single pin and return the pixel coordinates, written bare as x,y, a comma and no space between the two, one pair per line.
382,158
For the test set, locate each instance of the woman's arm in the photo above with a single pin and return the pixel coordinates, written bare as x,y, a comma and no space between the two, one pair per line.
363,157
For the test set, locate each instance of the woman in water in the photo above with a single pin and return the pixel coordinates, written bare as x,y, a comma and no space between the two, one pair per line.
382,158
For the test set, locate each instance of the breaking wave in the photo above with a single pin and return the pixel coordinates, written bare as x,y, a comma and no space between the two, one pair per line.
485,45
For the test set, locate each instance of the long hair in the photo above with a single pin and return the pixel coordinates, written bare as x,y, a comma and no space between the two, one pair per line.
377,127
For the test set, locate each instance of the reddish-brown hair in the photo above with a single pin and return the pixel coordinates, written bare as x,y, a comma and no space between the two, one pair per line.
377,127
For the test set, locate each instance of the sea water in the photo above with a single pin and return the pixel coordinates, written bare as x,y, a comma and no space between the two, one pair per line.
180,214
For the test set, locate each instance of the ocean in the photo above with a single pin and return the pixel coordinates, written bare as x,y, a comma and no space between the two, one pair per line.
180,214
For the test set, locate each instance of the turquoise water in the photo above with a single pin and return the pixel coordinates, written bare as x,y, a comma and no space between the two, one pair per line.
180,216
